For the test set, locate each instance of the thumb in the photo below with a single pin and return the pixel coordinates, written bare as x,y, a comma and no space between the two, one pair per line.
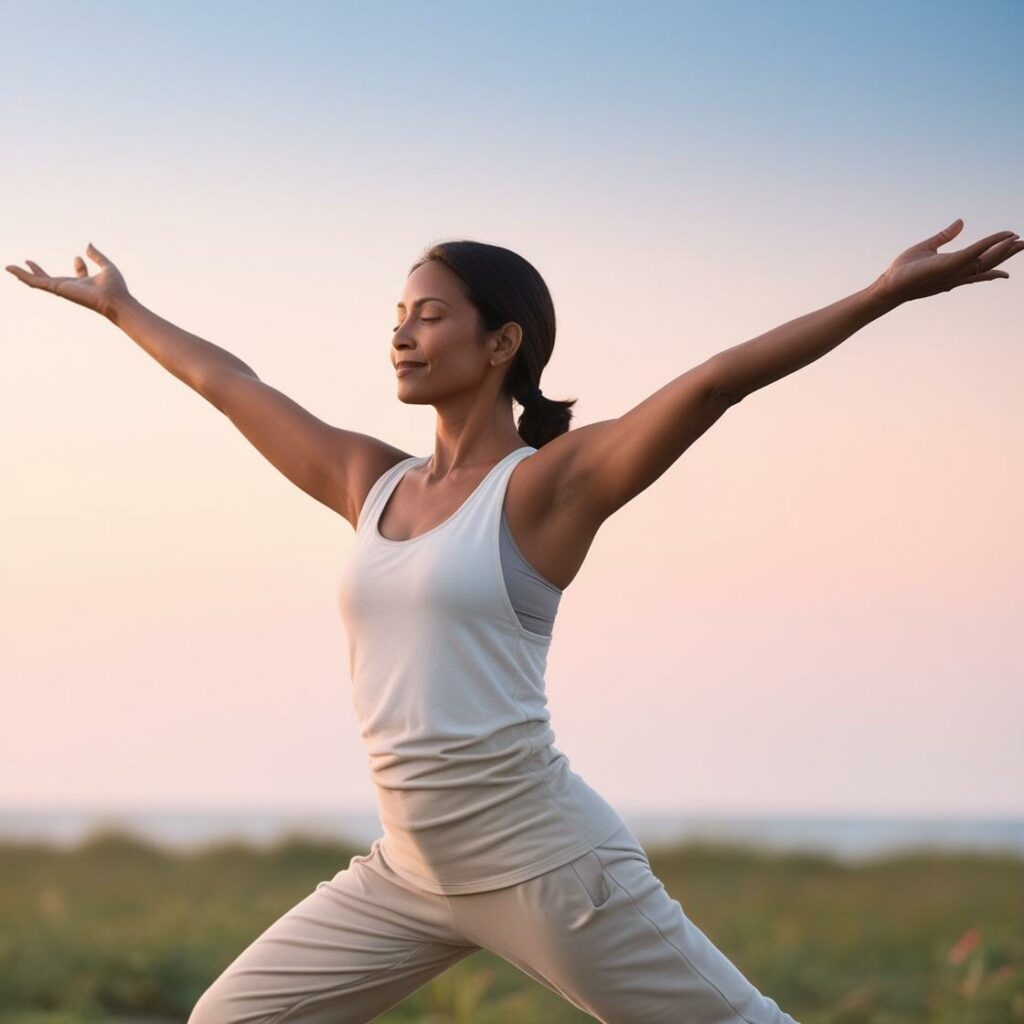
97,256
945,234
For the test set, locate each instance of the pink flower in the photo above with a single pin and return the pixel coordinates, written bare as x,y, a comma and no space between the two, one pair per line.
963,946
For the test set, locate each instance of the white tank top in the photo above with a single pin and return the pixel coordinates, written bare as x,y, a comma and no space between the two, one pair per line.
448,687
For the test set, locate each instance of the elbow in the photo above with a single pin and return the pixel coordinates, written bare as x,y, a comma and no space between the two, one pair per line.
216,384
725,397
719,392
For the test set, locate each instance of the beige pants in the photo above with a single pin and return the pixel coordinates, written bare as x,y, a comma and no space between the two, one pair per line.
600,930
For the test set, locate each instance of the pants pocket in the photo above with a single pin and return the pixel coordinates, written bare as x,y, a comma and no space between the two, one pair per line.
591,875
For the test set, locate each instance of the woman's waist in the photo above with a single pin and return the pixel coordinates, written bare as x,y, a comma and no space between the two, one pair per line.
430,802
502,759
460,835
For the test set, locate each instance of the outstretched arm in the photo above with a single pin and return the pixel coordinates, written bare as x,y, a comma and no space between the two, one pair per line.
609,463
916,273
335,466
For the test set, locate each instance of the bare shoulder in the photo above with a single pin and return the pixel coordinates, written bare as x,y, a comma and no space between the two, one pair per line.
361,461
548,515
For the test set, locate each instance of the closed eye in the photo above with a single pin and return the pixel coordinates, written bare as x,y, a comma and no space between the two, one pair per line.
425,319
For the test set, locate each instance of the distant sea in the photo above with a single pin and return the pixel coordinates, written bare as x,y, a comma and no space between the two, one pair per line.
849,839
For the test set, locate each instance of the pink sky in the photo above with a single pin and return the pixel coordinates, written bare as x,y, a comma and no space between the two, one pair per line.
812,610
817,608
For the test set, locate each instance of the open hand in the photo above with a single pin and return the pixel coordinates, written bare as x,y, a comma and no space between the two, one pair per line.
921,271
99,292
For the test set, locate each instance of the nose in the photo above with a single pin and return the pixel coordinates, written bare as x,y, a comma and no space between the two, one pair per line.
402,349
397,338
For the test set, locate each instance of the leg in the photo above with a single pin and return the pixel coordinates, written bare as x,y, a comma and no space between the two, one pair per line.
603,932
354,947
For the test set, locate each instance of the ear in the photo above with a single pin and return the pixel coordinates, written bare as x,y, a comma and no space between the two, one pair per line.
506,343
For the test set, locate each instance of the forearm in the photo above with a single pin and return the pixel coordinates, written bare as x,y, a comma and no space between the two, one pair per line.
744,368
191,359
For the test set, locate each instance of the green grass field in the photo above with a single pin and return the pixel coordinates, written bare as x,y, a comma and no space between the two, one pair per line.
117,929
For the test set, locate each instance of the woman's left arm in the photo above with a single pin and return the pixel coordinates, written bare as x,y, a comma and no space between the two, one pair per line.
604,465
916,273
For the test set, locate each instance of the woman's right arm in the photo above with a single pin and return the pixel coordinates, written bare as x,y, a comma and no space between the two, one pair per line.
335,466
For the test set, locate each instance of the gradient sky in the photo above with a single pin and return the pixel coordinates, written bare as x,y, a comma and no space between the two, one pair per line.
817,609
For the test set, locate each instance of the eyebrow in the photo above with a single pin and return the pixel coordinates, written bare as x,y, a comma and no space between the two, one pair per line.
426,298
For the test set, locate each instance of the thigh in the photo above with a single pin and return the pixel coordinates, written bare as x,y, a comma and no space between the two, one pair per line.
354,947
603,932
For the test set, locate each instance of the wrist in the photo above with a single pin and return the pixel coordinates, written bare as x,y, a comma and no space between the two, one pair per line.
880,297
115,309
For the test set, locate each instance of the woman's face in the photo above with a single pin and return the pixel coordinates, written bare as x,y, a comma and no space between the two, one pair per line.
438,329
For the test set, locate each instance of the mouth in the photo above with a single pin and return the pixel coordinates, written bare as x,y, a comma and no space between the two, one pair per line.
407,367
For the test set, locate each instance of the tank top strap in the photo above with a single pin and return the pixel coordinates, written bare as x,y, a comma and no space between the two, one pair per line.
488,499
378,493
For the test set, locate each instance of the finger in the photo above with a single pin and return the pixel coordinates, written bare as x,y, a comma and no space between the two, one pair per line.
998,253
97,256
19,274
33,280
36,269
975,250
1015,247
991,275
81,270
943,236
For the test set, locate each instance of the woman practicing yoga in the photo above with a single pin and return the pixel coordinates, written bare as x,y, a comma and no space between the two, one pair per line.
490,839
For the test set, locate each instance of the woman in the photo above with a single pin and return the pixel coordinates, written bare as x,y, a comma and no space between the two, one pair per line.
449,597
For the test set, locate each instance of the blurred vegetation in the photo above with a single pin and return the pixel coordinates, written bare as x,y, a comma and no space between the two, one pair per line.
118,929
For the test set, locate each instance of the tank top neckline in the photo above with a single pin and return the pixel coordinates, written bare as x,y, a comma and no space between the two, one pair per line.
420,460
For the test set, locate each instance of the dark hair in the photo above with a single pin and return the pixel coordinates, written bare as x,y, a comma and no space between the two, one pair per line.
505,287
